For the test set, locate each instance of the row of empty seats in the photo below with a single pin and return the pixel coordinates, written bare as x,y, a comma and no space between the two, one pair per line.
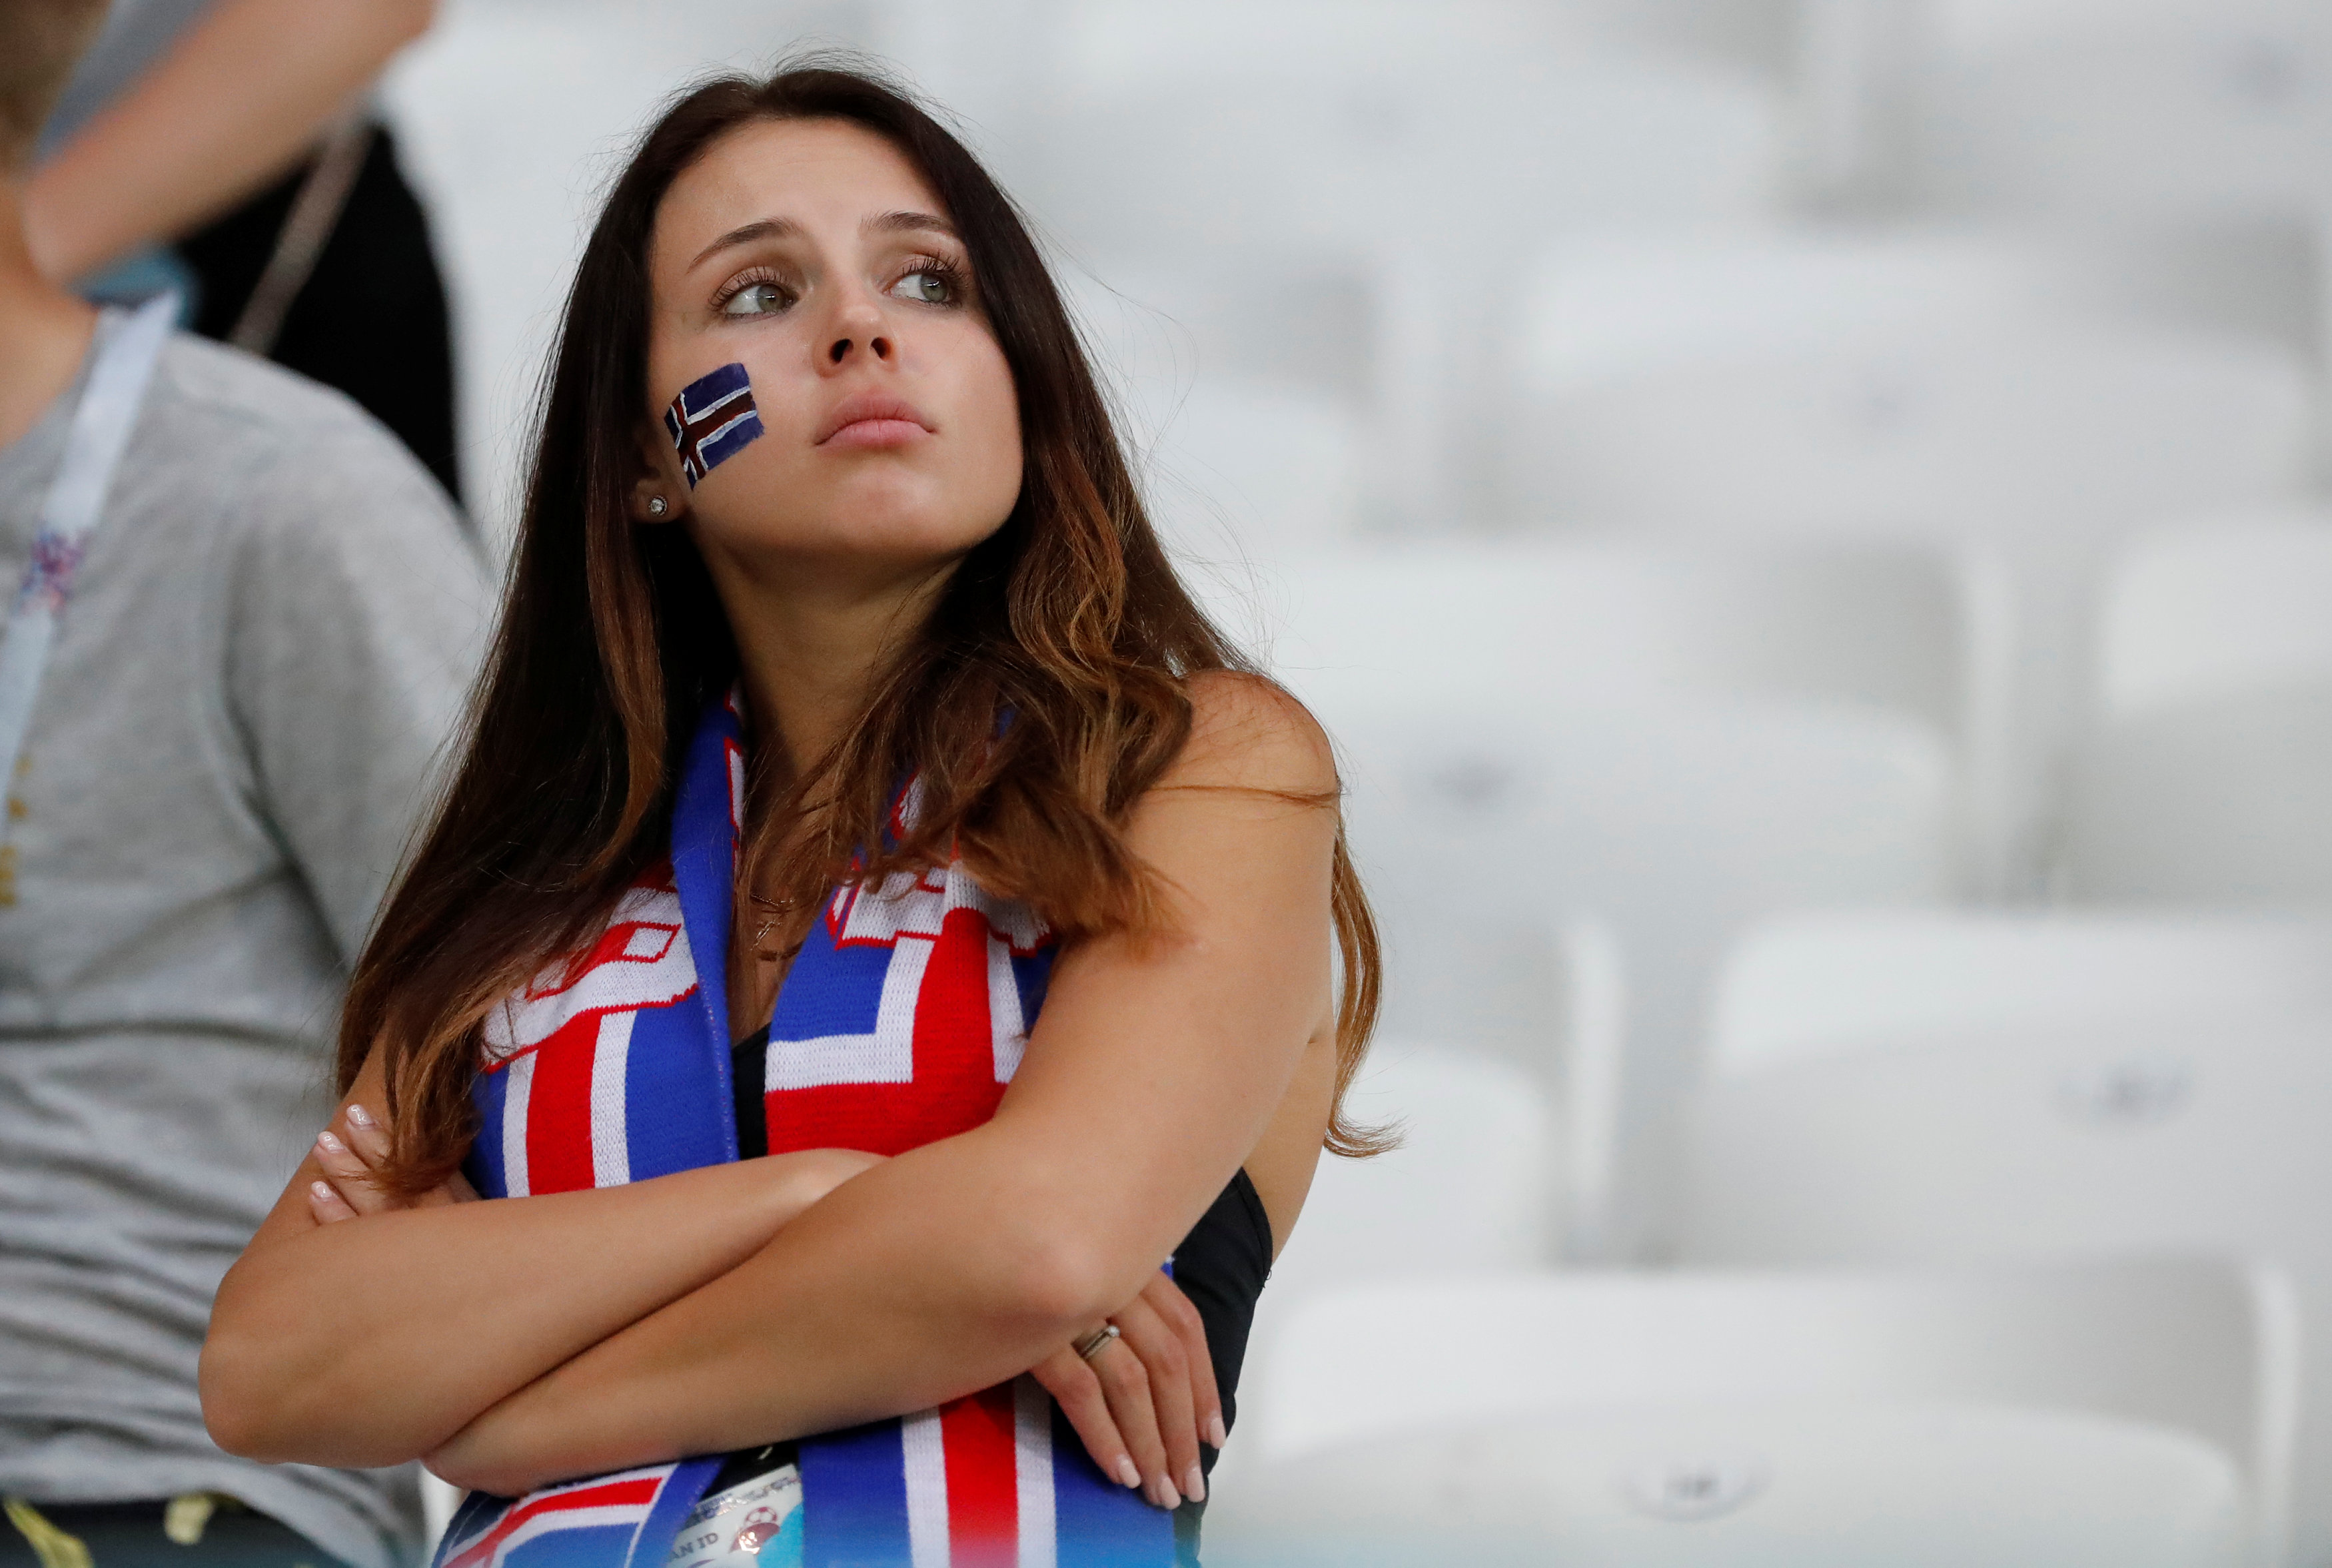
1664,745
1907,1091
2188,771
2124,1414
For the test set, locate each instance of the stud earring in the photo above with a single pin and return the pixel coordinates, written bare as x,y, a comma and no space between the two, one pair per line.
657,506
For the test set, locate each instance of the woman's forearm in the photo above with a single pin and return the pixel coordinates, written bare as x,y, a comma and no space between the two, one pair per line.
236,100
912,1286
370,1342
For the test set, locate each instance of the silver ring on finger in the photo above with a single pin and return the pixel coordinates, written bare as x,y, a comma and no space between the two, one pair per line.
1090,1346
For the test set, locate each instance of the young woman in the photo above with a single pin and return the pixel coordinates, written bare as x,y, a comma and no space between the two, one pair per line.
845,708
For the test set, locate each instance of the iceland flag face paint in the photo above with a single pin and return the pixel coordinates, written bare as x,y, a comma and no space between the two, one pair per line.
712,420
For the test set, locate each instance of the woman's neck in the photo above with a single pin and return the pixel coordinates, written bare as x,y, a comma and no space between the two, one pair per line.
811,642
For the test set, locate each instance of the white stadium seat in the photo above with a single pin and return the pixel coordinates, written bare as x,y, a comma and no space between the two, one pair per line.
2113,107
1799,985
2134,1412
2204,774
2222,803
1280,165
1666,742
1123,41
1674,826
2232,605
1473,1189
2039,438
1748,1484
1238,156
1876,625
1469,1189
2028,1087
2041,442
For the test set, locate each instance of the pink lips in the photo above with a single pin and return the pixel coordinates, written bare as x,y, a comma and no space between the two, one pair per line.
871,419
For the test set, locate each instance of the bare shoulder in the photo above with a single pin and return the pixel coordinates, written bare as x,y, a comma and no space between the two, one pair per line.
1248,733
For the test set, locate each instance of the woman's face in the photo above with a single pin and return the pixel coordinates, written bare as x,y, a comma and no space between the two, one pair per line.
813,255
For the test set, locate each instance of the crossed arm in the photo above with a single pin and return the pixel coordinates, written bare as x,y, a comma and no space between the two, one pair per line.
517,1343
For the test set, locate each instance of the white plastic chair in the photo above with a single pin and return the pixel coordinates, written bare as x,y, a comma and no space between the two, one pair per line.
1280,166
2028,1088
2203,774
2028,436
1500,1407
2216,609
1124,42
2219,803
2042,444
1909,1485
1606,307
1475,1186
1251,156
1801,985
1671,825
2178,106
1576,767
1469,1189
1905,627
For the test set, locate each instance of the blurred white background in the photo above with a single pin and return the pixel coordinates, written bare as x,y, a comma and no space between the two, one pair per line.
1809,521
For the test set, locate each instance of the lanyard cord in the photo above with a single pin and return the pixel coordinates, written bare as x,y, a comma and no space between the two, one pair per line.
94,442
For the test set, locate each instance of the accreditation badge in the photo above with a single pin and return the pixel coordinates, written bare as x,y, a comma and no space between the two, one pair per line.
755,1524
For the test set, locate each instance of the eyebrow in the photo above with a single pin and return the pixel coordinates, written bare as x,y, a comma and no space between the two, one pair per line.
762,229
909,224
901,222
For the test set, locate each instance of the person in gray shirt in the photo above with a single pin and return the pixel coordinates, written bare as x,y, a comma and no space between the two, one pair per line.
268,639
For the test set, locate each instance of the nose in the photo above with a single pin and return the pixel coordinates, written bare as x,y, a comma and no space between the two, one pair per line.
858,329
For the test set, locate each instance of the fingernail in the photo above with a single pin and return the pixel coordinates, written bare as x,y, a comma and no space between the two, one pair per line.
328,1144
359,1116
1127,1473
322,1190
1167,1498
1216,1436
1194,1485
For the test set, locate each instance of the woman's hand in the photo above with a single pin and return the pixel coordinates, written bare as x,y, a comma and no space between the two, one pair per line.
1144,1400
350,1150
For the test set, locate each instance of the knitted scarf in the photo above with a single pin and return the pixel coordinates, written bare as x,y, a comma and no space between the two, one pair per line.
901,1021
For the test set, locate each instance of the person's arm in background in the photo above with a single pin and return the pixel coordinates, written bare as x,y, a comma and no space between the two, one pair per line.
236,100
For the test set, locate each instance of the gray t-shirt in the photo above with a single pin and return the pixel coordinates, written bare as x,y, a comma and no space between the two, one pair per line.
269,642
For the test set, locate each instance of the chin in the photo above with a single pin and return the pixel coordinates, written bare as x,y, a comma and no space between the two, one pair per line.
910,538
898,517
893,540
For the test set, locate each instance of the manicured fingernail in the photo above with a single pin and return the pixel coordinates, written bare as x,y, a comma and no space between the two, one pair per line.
1127,1473
1194,1485
1166,1496
1216,1436
359,1116
322,1192
328,1144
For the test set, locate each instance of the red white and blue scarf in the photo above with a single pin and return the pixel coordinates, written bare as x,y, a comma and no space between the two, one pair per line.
900,1022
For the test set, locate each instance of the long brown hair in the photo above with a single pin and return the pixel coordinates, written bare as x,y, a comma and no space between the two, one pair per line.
1069,618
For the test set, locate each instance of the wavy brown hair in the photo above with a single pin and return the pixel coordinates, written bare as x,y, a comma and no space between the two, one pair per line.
1069,618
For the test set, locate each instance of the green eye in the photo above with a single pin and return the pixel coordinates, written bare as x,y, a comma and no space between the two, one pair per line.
756,299
926,286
